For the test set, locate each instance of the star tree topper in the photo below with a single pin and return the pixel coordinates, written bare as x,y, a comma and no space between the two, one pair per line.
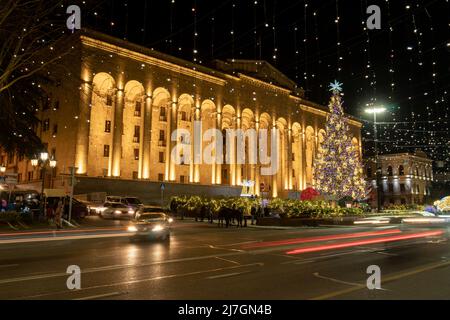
335,86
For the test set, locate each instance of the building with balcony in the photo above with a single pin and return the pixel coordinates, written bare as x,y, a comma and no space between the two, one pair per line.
406,178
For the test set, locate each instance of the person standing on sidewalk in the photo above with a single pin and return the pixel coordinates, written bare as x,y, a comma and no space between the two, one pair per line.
58,214
253,214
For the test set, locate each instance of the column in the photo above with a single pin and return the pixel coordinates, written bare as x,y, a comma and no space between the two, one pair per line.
235,168
194,176
82,144
282,161
218,173
275,176
303,159
257,167
117,133
289,159
147,134
170,145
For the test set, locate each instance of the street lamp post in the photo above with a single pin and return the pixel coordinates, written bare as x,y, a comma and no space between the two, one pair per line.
43,161
375,111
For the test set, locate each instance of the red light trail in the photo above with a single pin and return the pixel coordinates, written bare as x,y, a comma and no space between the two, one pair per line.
320,238
365,242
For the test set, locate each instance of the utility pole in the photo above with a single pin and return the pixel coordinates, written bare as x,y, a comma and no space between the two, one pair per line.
72,184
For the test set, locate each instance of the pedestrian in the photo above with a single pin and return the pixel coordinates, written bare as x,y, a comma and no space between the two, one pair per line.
50,211
66,207
4,206
58,214
253,214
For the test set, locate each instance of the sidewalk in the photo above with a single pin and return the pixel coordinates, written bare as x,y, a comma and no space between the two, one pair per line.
89,222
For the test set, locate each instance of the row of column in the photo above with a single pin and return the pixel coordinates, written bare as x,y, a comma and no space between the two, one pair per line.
81,157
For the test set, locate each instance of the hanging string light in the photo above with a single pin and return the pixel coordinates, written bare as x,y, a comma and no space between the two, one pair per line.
391,53
338,42
194,51
144,22
126,21
171,23
275,49
255,29
316,38
305,43
296,53
213,23
232,30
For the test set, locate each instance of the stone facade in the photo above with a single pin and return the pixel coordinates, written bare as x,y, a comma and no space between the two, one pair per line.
114,114
405,178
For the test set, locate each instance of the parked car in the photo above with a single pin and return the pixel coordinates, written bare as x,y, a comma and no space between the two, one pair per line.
150,225
79,209
117,210
132,202
22,200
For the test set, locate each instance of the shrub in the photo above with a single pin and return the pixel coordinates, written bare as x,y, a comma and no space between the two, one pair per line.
285,207
10,216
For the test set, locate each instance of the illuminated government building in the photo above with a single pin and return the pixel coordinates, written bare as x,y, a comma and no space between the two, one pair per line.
113,115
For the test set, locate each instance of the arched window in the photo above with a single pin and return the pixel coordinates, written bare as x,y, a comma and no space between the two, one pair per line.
401,171
389,170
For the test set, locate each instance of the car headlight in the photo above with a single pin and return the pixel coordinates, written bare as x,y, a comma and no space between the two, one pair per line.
132,229
157,228
117,211
130,211
170,220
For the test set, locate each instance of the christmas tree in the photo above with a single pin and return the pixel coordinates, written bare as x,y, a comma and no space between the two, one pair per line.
338,170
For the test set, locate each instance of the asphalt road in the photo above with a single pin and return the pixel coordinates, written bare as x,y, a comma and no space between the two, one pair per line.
202,261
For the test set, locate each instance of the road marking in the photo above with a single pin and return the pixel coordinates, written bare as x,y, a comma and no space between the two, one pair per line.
237,243
87,236
323,257
386,253
317,275
225,275
53,232
171,276
115,267
8,265
215,247
101,296
384,280
227,260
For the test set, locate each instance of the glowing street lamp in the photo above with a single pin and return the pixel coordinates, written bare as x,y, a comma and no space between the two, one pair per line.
53,163
44,156
42,162
376,110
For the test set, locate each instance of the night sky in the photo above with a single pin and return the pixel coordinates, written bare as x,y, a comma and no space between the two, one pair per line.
405,66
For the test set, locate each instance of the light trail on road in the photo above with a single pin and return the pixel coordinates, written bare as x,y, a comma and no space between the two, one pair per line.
320,238
365,242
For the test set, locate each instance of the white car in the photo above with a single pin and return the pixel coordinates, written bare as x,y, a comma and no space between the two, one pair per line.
117,210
